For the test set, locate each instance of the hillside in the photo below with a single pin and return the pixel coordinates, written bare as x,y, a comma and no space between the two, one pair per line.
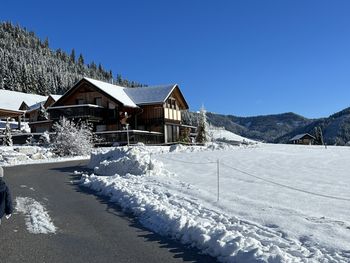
335,128
28,64
262,128
279,128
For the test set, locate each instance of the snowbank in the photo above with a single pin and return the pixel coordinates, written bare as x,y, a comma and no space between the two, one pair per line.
124,160
227,238
37,218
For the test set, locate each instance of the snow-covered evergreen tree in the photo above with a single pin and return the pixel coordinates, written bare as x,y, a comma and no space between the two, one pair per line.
202,128
72,139
8,135
45,138
42,114
27,64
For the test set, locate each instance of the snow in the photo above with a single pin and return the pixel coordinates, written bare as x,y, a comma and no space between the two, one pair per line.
12,100
219,133
37,218
19,155
14,125
115,91
55,96
277,203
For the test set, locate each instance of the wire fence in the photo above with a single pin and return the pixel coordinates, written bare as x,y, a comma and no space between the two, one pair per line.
219,163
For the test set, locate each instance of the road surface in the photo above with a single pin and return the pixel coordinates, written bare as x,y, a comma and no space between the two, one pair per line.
90,229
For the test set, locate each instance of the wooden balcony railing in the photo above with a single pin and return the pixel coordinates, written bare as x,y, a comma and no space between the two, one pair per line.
84,111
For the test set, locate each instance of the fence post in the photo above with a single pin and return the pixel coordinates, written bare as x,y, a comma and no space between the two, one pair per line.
218,178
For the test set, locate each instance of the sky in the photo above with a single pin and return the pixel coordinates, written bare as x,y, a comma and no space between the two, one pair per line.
244,58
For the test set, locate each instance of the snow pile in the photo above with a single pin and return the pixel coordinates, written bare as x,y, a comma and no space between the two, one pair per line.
11,155
37,219
16,155
135,160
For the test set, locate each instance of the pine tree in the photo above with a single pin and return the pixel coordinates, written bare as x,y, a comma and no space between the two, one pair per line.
72,56
27,64
42,113
202,128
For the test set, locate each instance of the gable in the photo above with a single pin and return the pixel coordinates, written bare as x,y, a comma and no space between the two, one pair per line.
87,91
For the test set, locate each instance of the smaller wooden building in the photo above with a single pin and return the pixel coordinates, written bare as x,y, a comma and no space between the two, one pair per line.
304,139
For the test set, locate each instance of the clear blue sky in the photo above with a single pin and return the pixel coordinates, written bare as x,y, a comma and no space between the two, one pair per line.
236,57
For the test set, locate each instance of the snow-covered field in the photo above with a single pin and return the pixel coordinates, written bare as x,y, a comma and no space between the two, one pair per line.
277,203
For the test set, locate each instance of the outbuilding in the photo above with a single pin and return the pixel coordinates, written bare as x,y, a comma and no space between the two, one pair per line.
304,138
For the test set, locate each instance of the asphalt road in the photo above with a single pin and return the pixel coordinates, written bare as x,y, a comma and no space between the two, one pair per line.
90,229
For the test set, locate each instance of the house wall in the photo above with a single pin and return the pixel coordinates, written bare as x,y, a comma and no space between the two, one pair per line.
40,126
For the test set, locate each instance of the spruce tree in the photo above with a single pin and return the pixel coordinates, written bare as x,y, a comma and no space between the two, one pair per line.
72,56
202,128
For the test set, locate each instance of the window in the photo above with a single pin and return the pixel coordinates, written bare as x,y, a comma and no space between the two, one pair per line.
98,101
80,101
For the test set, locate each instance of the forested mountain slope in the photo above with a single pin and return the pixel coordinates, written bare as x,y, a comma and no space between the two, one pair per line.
27,64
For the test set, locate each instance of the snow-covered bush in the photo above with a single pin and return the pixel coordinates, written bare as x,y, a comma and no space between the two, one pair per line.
72,139
45,138
30,140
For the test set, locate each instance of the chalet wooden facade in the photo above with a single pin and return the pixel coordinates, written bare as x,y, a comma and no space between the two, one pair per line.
304,139
37,122
147,114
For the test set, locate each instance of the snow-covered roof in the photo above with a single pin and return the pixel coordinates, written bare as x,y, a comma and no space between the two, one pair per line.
299,136
35,106
12,100
55,96
148,95
115,91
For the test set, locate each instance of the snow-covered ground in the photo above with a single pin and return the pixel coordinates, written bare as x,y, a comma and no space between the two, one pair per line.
219,133
16,155
38,220
277,203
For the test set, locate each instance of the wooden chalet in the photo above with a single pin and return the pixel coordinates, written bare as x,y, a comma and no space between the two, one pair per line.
144,114
38,122
14,104
305,139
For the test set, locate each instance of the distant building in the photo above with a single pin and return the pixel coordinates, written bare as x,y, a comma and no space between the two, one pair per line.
305,139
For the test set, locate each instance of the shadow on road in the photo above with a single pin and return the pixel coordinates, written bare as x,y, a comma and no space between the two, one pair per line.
187,254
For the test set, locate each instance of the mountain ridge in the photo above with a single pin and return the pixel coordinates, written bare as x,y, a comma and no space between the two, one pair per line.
280,128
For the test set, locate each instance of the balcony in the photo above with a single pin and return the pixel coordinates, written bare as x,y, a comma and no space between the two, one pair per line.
83,111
